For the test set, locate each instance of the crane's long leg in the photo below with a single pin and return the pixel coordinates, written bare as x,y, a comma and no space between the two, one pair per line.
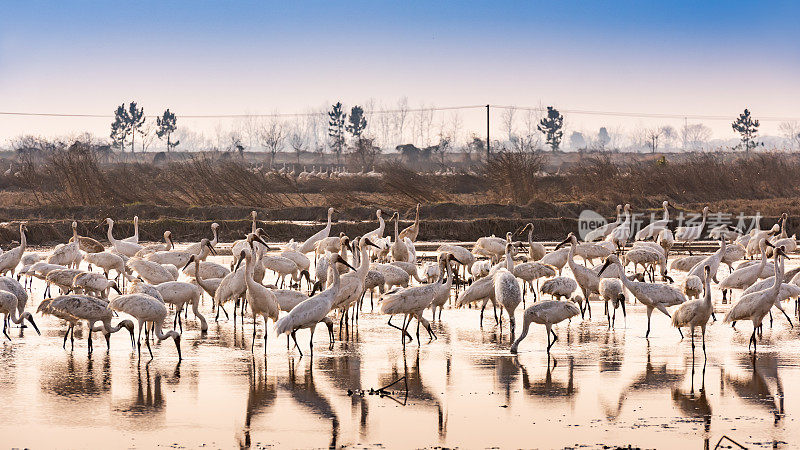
147,340
311,340
65,337
294,337
5,327
253,345
139,340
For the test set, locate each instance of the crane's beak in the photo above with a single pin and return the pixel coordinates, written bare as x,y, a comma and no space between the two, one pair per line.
605,265
211,248
562,243
191,260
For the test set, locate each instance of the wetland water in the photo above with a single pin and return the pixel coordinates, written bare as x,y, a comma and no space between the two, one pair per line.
599,387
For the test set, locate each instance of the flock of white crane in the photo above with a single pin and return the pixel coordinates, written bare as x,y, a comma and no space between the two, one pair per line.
344,270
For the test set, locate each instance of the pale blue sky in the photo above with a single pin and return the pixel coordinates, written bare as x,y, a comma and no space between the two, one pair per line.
711,58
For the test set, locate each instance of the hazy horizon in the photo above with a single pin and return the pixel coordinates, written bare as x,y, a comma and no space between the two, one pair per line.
711,59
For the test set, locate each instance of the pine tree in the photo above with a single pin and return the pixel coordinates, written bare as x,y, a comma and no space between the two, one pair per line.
167,124
336,128
552,127
127,122
747,127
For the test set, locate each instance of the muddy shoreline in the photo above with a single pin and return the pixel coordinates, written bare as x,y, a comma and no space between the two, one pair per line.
440,222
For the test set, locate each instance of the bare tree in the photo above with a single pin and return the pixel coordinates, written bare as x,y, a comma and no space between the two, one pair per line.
272,136
791,132
455,127
423,123
507,119
148,132
442,148
298,139
400,117
695,136
251,130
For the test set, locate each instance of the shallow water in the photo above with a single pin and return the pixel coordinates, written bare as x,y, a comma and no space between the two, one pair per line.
464,389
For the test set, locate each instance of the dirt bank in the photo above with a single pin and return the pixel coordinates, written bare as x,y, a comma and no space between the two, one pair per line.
446,221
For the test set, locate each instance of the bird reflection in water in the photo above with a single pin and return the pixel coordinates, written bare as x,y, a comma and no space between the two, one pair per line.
70,380
414,389
344,370
654,377
149,395
260,397
305,393
694,404
506,372
548,387
611,354
755,389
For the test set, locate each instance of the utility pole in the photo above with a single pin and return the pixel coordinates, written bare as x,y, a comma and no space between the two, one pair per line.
488,149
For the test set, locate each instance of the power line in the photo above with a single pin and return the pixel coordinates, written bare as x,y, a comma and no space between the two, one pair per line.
422,109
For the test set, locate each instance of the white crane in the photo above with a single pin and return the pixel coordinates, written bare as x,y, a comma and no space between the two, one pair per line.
123,247
755,305
149,271
612,290
536,250
10,259
654,228
160,247
620,235
695,313
652,295
378,232
506,290
261,300
744,277
46,308
146,310
106,261
443,293
308,245
95,284
9,306
92,310
352,283
180,294
314,310
209,285
690,233
398,249
14,286
412,231
547,313
68,255
180,258
559,287
587,280
198,246
135,238
602,232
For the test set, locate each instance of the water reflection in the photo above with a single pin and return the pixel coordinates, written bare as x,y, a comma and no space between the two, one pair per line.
344,371
653,377
71,378
260,396
691,404
754,388
305,393
548,387
413,389
611,353
506,372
